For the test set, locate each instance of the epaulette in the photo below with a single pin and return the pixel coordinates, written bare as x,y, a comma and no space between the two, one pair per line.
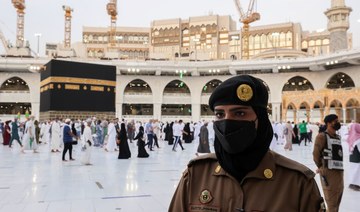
293,165
210,156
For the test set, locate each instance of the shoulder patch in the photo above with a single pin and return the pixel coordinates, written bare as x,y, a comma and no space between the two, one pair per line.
207,157
293,165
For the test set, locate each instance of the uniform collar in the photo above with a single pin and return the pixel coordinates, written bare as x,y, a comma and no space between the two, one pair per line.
265,170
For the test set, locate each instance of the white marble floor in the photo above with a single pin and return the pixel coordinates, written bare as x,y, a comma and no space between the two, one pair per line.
42,182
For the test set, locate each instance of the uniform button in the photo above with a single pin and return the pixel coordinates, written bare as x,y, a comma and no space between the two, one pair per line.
218,169
268,173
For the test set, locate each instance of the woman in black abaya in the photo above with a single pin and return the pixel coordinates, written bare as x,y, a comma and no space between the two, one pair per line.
141,144
124,152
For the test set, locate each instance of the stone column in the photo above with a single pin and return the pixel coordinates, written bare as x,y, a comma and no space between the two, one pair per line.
327,111
157,111
118,110
35,109
276,116
322,114
354,117
196,112
344,115
284,115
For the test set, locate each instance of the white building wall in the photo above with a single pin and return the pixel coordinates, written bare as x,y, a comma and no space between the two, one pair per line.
275,81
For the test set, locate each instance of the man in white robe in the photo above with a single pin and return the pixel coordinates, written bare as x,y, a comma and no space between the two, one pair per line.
47,134
211,133
111,144
87,143
29,138
55,136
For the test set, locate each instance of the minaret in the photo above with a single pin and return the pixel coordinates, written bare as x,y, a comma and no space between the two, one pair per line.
338,24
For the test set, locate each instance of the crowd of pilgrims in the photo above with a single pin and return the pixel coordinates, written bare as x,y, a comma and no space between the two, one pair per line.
115,135
110,135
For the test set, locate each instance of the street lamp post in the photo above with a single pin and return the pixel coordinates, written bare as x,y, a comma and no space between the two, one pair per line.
38,35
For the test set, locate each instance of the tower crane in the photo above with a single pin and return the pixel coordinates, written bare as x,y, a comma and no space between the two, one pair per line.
4,42
111,8
246,18
20,7
67,40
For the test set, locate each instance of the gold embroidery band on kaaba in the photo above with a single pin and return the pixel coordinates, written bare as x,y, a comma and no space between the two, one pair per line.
72,87
97,88
75,80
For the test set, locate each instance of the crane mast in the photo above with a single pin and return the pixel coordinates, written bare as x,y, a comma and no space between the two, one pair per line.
20,7
111,8
246,18
67,40
4,42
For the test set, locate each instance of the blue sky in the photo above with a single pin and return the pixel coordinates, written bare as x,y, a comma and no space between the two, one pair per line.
47,17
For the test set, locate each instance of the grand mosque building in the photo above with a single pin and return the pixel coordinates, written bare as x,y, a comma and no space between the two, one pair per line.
168,71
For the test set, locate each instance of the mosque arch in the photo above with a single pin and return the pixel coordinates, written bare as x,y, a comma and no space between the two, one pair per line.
340,80
14,84
176,86
335,103
318,105
336,108
352,110
317,111
304,111
290,112
304,105
176,99
298,83
291,106
210,86
138,86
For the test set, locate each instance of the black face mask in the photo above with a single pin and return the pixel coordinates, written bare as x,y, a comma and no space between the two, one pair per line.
235,136
336,126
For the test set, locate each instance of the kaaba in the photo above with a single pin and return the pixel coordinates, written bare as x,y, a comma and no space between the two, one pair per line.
77,90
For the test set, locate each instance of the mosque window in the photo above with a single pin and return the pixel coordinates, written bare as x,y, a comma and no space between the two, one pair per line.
298,83
257,42
85,39
176,86
138,109
282,39
263,41
14,84
137,86
340,80
343,17
206,111
304,45
14,108
289,38
176,109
